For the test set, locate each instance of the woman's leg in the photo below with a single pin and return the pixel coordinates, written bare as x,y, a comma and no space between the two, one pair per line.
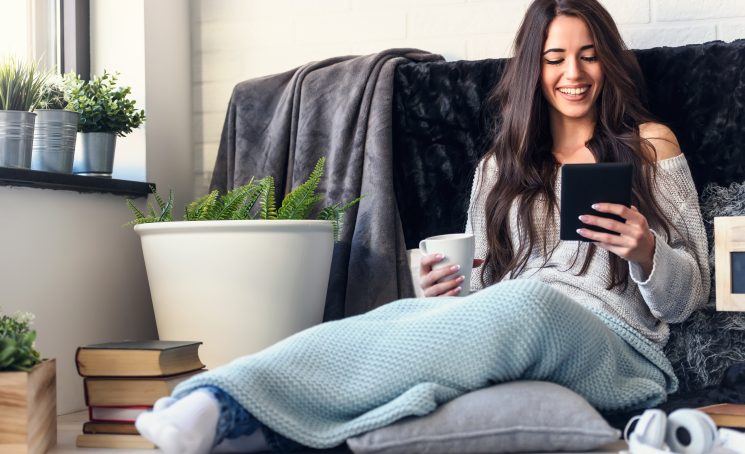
342,378
188,425
191,425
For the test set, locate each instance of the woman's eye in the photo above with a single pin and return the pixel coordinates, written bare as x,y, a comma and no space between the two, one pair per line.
590,59
554,62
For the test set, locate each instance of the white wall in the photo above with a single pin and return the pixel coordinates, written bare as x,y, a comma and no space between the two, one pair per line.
67,259
234,40
170,160
149,44
65,256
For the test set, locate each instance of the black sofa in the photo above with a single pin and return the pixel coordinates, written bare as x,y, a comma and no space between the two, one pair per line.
440,125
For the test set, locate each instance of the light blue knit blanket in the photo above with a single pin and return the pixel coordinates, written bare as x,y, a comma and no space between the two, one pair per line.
342,378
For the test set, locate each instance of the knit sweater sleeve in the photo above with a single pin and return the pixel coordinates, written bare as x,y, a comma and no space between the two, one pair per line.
476,220
679,282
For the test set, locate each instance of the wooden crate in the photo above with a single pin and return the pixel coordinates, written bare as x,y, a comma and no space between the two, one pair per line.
28,410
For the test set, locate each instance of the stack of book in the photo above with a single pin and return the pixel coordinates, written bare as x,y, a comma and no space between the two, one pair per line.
124,379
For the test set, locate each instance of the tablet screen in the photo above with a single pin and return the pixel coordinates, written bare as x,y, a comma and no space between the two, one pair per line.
585,184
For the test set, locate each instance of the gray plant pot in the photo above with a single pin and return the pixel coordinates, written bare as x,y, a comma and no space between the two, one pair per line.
16,138
54,140
95,156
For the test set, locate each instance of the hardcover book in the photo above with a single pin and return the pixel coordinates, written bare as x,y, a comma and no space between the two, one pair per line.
121,428
113,441
118,391
115,414
138,359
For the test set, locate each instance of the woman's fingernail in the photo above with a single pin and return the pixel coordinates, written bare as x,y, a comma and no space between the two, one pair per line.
457,290
461,278
580,231
455,268
439,256
595,206
583,218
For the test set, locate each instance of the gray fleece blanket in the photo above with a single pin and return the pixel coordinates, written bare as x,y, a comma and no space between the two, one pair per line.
340,108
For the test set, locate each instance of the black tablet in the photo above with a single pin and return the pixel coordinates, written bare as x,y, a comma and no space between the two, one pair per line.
585,184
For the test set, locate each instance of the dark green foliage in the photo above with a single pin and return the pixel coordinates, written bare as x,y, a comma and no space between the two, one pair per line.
17,352
335,214
103,106
240,203
164,212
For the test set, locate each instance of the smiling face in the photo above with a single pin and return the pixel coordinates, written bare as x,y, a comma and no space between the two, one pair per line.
571,75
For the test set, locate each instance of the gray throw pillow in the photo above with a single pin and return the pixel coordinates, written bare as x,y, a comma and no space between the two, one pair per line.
522,416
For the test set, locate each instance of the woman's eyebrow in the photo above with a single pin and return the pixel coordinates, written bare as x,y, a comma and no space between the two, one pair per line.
558,49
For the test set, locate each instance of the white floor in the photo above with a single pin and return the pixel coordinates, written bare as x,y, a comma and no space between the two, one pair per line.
70,426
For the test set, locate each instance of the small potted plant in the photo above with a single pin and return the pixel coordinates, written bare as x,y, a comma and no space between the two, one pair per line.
240,273
106,111
21,85
28,396
55,130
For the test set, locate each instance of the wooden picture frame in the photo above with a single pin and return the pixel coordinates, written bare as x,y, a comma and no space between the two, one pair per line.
729,253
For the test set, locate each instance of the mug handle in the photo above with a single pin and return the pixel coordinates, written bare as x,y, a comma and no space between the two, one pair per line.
423,247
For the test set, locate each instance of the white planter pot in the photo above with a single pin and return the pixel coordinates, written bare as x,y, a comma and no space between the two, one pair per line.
237,286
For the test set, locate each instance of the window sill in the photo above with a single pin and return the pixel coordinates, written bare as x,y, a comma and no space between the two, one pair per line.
68,182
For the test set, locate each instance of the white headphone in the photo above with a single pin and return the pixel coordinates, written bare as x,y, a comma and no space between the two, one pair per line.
685,431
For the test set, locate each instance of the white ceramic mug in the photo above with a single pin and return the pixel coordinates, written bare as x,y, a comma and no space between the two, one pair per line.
458,249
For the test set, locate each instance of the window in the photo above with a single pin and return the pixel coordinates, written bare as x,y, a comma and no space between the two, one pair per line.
30,31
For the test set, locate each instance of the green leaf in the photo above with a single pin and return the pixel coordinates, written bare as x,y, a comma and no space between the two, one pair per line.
21,84
17,350
200,209
335,214
233,201
164,212
298,203
332,213
268,208
103,105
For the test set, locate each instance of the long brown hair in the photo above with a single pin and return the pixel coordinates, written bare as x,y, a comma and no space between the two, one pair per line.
522,144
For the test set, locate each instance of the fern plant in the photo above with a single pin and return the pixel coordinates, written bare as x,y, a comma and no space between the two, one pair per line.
17,351
164,212
241,203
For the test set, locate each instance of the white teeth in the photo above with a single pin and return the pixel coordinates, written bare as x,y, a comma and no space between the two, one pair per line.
574,91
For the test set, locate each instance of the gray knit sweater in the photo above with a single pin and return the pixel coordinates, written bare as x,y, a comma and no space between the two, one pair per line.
679,282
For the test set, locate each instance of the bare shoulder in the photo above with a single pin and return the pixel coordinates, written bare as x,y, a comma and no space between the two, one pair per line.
662,138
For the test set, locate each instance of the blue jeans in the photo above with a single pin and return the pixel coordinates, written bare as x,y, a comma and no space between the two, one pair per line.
235,422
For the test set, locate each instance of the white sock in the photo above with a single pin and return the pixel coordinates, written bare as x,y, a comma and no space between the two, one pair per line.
184,426
246,443
163,403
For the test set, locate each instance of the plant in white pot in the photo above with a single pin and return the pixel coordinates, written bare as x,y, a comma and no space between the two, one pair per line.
106,111
28,391
55,130
21,86
239,274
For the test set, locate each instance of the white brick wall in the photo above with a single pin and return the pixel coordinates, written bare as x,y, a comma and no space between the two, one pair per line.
234,40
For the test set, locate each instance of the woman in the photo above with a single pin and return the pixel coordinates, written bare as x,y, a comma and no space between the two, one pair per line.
591,317
585,107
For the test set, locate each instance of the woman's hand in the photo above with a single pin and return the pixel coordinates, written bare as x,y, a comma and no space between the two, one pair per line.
429,280
635,243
